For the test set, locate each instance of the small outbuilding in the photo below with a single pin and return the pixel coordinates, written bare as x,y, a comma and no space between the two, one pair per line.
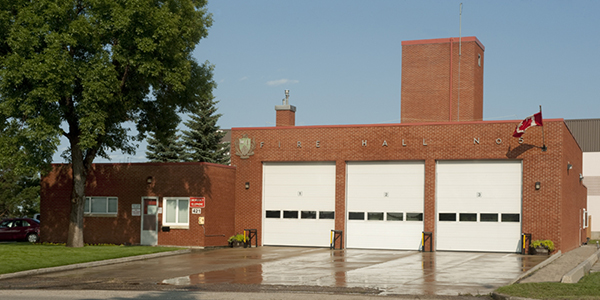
180,204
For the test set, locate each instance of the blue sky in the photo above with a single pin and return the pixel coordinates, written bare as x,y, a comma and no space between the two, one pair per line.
341,60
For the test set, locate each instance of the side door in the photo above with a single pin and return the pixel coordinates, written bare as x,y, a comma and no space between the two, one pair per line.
149,235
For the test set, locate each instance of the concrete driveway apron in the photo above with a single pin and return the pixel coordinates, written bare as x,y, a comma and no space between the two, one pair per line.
391,272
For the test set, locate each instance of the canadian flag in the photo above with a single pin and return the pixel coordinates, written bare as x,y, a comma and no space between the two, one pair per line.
534,120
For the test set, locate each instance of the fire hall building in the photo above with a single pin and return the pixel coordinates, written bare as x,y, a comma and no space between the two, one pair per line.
443,175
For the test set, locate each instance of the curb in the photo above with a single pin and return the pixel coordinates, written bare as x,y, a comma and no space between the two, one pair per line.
537,267
581,270
92,264
497,296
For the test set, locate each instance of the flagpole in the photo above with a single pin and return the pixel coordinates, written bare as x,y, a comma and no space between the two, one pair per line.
543,134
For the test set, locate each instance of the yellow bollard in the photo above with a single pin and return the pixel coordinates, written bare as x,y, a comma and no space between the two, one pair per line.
331,238
244,236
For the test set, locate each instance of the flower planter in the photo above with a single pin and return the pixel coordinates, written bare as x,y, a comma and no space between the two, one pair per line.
540,251
237,244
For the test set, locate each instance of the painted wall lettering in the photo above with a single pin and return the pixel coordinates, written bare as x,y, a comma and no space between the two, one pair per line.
384,144
299,145
475,141
364,143
318,144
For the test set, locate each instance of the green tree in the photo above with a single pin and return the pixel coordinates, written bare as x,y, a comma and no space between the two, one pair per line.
170,151
203,140
22,159
87,69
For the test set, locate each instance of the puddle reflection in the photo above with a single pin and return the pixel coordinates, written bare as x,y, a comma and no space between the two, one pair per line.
393,272
244,275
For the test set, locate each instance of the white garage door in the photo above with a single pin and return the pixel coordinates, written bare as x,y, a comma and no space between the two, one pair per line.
385,205
298,203
479,205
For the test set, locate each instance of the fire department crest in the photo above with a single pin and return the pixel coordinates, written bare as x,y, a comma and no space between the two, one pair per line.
244,147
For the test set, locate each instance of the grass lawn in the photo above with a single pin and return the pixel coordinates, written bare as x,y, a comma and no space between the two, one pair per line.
587,288
16,257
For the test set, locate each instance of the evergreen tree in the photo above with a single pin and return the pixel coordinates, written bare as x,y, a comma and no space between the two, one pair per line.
171,150
203,140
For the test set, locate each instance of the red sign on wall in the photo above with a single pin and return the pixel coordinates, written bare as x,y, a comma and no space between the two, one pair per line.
197,202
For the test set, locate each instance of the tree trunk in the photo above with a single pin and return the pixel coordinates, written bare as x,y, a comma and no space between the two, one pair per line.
75,235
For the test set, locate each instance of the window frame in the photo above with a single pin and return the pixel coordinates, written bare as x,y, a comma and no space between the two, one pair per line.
394,214
420,215
89,213
176,224
269,214
447,217
326,215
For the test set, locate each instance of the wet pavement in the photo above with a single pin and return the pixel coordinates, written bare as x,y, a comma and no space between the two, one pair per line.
380,272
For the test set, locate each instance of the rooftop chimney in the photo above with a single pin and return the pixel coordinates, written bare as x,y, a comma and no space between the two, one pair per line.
286,113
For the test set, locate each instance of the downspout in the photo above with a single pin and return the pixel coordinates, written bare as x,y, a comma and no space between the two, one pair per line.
450,93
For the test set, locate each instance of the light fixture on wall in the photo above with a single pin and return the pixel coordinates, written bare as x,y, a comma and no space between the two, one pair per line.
569,166
538,185
247,185
580,177
149,180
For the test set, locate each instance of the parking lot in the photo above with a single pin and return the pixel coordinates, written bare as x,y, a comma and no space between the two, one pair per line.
302,269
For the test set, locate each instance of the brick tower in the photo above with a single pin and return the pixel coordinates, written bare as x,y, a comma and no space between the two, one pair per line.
430,80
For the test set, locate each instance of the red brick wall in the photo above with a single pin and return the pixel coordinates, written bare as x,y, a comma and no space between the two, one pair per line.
285,118
445,141
573,194
431,79
128,183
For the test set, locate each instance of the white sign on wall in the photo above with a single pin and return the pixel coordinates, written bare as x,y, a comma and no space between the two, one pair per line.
136,210
196,211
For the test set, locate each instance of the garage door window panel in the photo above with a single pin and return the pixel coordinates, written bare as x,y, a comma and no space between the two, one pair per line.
356,216
329,215
511,218
375,216
308,214
485,217
447,217
395,216
414,216
467,217
273,214
290,214
176,212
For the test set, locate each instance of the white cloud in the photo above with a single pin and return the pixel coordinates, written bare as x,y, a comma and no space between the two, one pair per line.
244,78
281,81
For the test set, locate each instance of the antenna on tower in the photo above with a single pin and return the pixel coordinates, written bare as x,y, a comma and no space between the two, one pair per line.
460,31
459,56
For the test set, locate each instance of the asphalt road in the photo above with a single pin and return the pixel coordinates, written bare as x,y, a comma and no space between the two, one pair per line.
181,295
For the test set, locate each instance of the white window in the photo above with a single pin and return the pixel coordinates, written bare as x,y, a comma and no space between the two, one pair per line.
176,212
101,205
